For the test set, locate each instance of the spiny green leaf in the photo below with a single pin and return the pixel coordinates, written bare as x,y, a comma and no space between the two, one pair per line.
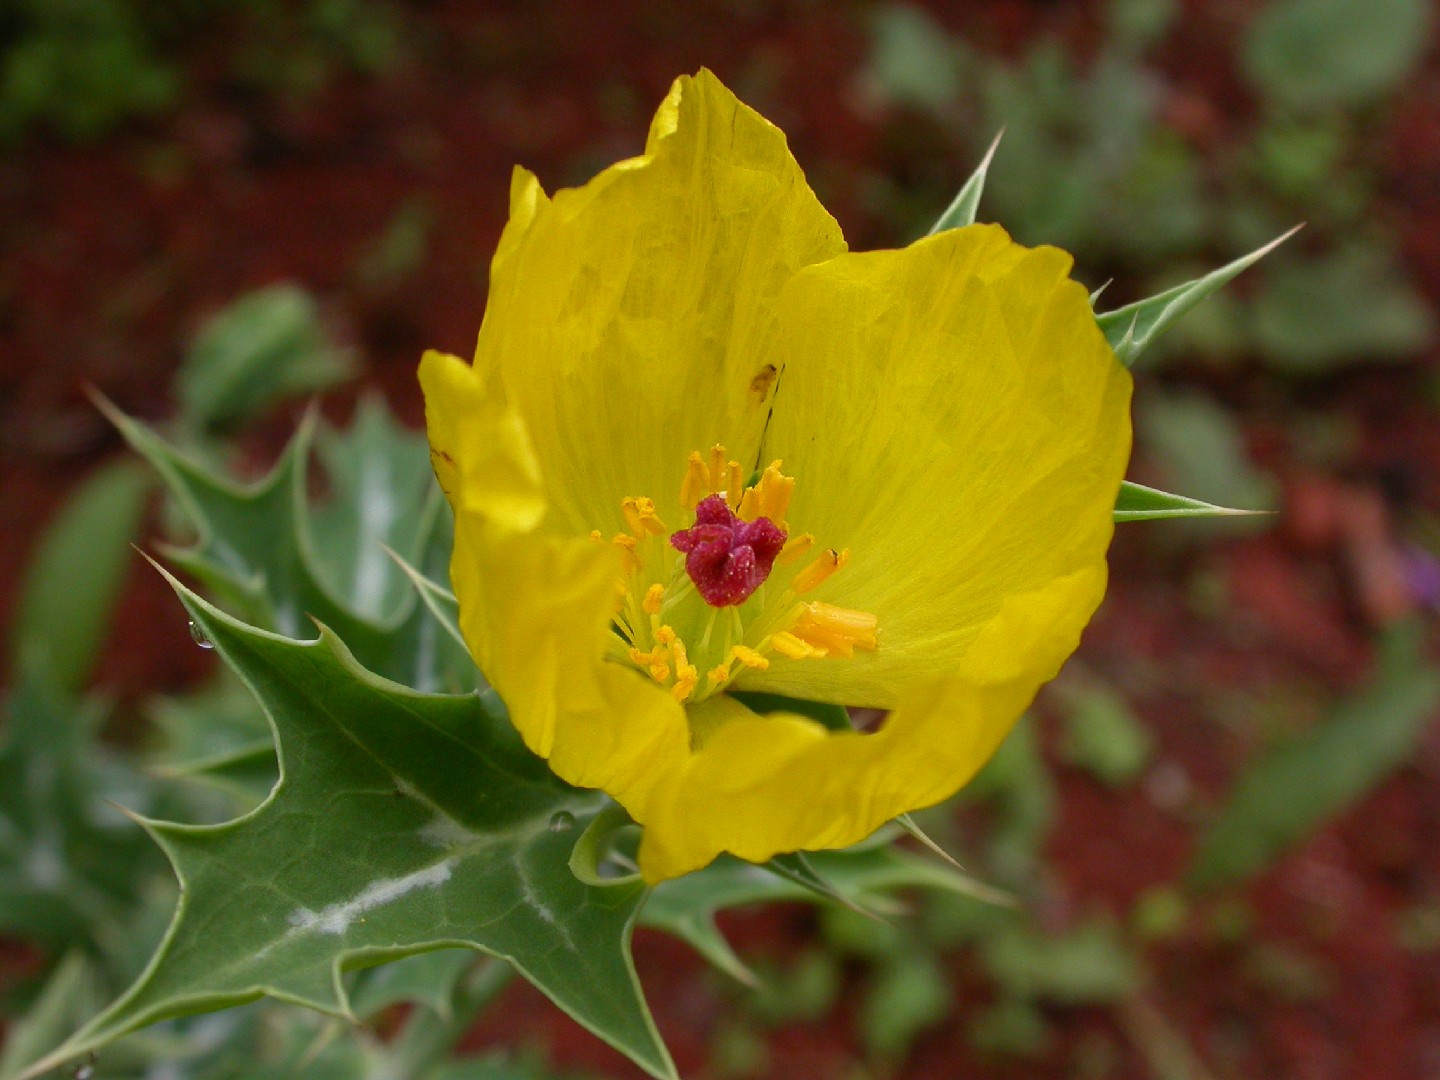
448,646
1299,785
403,822
254,548
796,867
868,876
1199,447
978,889
962,209
381,482
218,735
1132,328
1136,502
75,576
427,979
594,859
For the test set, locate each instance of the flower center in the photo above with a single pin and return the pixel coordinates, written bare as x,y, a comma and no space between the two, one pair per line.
725,594
727,557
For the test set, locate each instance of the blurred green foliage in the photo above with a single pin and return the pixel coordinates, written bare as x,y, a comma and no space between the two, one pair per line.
1314,54
266,346
1090,163
78,69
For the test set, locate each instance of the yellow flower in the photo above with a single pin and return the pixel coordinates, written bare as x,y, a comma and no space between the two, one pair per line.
703,448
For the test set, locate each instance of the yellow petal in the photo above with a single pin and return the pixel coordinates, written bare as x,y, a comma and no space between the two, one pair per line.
535,607
762,785
955,419
624,316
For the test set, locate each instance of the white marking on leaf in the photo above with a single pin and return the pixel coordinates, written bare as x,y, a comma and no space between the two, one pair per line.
446,832
336,918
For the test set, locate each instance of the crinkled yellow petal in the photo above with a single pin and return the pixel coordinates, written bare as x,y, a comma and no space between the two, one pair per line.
535,607
625,316
762,785
957,421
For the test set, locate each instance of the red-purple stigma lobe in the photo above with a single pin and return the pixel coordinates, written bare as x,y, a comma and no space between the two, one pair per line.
726,557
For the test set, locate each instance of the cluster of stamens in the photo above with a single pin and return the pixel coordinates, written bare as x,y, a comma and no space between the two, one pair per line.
707,584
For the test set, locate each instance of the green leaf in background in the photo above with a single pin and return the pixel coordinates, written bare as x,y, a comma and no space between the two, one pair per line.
1086,965
1296,787
913,62
909,994
68,999
266,346
1309,54
1019,785
79,70
254,547
403,822
76,573
1353,304
962,210
72,869
1135,25
1102,735
1136,502
1132,328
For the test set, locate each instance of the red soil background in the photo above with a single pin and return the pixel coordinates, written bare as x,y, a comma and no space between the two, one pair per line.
113,253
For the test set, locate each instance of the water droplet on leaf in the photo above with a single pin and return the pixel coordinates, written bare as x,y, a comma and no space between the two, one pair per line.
562,821
197,635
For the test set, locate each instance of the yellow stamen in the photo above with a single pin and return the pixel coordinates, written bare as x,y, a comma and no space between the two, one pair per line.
836,629
665,635
749,503
640,516
597,536
788,645
696,484
719,675
685,682
626,543
749,657
660,671
717,467
677,649
795,547
734,484
654,596
775,491
819,571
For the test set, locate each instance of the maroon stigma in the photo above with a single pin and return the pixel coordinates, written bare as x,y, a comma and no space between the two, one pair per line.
727,558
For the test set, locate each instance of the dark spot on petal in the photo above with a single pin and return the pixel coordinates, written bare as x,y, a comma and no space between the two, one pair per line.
763,383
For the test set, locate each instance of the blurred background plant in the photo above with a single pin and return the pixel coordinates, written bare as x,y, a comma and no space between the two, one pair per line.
1221,825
